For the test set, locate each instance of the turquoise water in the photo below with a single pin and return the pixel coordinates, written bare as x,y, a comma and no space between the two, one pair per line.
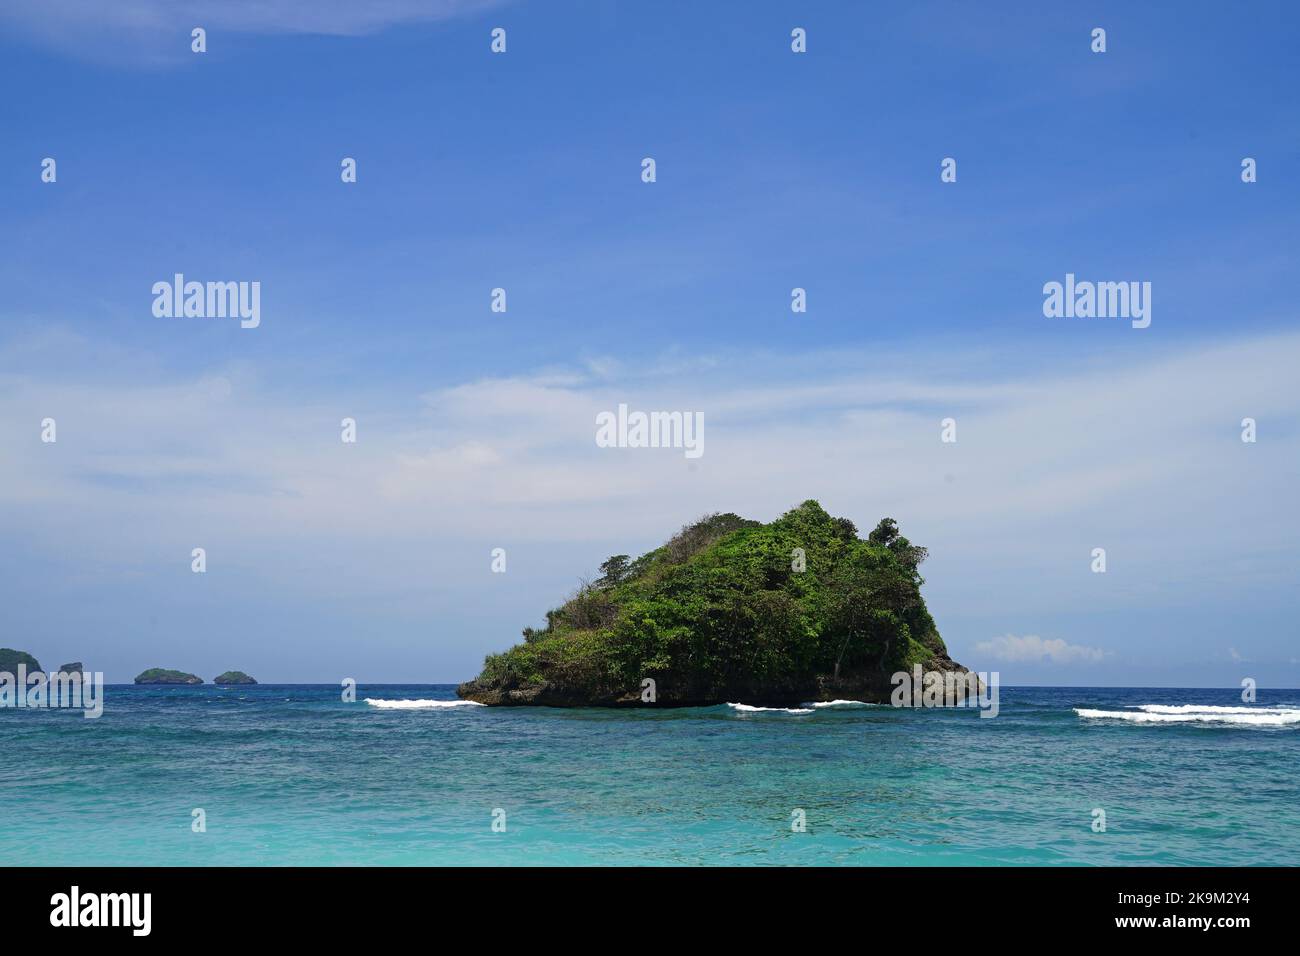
292,775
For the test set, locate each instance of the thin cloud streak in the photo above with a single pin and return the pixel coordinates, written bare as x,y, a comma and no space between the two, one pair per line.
156,33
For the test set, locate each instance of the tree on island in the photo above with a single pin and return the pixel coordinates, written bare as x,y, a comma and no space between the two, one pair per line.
868,599
613,571
886,534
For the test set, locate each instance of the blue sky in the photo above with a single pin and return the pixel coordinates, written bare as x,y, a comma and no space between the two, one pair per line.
522,170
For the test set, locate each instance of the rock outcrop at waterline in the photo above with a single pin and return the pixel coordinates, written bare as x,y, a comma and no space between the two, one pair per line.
10,659
732,610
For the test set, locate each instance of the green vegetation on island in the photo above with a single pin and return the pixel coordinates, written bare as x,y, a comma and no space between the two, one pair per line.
161,675
234,677
10,659
732,610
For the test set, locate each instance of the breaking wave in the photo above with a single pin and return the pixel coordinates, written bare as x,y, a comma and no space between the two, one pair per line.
420,704
1198,714
839,703
749,709
1207,709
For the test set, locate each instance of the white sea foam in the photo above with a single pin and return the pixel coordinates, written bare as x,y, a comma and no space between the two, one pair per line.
839,703
1199,714
420,704
749,709
1208,709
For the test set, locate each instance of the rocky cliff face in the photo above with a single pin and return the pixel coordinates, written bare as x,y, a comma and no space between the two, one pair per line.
872,687
732,611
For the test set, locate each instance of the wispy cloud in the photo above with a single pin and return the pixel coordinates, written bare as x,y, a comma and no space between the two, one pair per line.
1043,469
156,32
1136,457
1032,648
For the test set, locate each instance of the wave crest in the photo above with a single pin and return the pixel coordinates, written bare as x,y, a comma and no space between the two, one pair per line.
1198,714
1208,709
837,704
750,709
420,704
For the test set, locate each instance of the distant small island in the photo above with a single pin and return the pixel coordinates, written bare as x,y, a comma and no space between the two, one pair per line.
732,611
234,677
10,659
161,675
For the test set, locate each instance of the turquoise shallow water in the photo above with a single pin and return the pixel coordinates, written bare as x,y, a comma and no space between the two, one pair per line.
292,775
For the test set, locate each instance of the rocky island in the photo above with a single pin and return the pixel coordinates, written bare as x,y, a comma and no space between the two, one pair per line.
732,611
233,677
161,675
10,659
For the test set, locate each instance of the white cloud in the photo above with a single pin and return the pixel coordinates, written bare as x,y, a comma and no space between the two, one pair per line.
1136,457
1140,456
1032,648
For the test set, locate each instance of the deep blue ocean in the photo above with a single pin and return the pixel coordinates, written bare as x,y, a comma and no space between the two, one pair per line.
292,775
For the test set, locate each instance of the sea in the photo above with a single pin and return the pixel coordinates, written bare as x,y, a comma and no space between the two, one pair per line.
294,775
